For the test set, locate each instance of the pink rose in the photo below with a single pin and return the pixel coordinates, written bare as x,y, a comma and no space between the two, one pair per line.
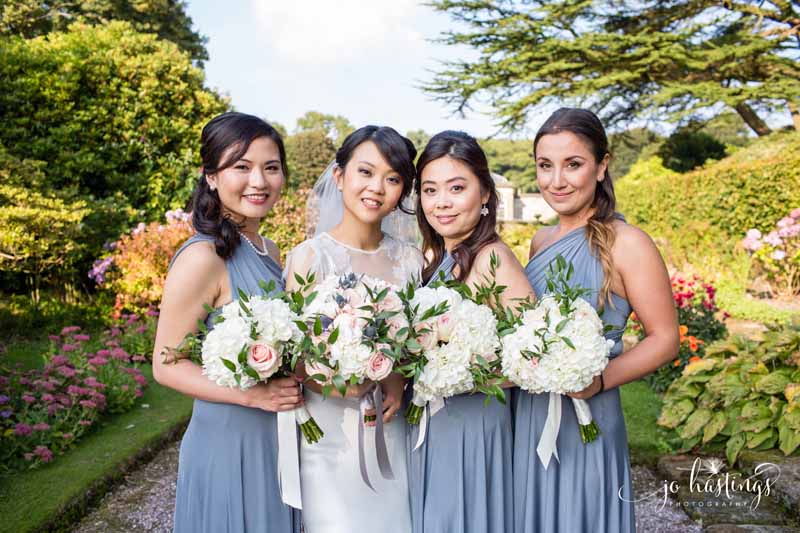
391,302
264,359
319,369
430,338
444,324
379,366
396,323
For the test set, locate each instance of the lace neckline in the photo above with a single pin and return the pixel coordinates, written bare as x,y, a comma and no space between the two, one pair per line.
353,248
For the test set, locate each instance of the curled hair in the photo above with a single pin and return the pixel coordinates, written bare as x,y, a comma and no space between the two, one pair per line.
600,229
398,151
461,147
235,131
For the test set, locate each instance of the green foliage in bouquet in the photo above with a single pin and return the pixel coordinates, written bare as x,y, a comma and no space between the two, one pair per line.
743,394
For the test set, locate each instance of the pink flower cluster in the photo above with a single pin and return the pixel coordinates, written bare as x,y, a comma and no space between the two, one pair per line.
787,228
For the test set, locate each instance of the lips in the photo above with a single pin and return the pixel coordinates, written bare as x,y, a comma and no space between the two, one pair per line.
257,199
371,203
445,219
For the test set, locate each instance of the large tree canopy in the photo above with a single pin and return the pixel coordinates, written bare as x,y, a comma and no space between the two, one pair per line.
659,59
166,18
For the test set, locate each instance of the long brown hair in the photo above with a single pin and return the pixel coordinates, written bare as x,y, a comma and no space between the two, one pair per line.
462,147
599,229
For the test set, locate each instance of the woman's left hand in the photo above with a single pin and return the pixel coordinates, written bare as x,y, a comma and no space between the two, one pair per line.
392,388
588,392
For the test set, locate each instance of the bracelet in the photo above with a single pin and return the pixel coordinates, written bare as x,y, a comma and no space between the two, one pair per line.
602,384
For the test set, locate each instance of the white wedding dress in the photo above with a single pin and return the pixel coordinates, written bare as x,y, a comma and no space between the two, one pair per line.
335,497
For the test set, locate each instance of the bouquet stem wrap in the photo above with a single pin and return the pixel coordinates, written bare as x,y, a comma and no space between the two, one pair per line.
289,455
547,444
373,398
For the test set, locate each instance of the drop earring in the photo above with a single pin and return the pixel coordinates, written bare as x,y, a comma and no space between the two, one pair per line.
484,210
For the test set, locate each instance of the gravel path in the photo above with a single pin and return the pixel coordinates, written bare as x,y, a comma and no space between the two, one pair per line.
144,502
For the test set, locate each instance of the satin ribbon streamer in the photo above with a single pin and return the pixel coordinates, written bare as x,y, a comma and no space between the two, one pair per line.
373,398
547,444
433,407
289,455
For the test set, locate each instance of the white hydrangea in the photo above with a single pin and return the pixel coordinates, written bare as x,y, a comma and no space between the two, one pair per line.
560,368
274,321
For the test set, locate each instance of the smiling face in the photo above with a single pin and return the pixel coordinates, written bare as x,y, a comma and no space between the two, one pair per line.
451,199
250,186
567,172
371,189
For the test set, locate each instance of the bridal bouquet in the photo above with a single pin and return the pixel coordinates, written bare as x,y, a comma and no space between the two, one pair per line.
453,344
252,340
355,330
557,346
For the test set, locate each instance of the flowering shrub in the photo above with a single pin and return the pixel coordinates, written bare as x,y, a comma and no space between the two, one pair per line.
698,326
777,254
743,394
136,266
44,411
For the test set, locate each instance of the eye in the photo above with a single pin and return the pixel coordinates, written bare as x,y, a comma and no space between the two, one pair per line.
544,165
241,166
429,190
574,164
273,168
457,188
365,171
394,179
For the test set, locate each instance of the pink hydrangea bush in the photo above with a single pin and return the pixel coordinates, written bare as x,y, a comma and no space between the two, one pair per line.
776,255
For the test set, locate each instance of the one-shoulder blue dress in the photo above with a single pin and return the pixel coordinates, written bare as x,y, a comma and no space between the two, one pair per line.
227,469
589,489
460,478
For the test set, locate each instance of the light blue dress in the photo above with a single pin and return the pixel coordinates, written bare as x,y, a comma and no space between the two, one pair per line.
227,470
460,478
581,492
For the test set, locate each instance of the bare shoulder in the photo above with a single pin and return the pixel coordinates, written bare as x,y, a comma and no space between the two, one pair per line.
500,250
199,258
632,245
539,238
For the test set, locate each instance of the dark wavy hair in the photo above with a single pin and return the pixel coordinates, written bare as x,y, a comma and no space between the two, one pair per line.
398,151
599,229
226,131
461,147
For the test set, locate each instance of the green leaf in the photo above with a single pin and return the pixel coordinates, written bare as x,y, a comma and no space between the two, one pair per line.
333,336
568,342
734,446
695,423
252,373
340,384
317,327
714,426
789,439
243,296
228,364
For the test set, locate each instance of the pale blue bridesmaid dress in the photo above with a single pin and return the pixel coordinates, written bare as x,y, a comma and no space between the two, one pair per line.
460,478
589,489
227,471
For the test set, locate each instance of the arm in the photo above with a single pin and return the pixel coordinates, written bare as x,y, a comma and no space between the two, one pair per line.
199,277
644,280
509,273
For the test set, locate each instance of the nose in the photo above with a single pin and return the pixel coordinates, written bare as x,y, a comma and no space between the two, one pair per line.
376,186
557,179
257,178
443,201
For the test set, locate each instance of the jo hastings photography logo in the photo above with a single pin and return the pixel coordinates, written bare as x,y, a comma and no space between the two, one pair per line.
711,484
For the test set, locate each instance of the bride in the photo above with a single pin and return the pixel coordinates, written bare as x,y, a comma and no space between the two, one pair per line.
372,175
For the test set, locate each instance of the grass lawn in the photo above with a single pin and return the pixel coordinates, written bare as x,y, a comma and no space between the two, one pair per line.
641,406
30,500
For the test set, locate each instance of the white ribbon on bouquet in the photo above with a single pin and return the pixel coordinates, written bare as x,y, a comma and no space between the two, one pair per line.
289,454
547,443
434,406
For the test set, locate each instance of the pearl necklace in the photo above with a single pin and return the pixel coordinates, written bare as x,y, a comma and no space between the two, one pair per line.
253,246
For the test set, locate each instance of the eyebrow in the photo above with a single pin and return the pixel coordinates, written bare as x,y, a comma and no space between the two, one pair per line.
367,163
566,158
454,178
248,161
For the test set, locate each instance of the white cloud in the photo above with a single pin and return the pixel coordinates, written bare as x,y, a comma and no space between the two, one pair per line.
338,31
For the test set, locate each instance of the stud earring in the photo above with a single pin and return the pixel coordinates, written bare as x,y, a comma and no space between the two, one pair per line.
212,187
484,210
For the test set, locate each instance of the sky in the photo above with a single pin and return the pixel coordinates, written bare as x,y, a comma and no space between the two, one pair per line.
360,59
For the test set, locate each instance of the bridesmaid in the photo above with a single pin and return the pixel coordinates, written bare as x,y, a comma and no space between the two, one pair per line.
589,487
460,478
227,477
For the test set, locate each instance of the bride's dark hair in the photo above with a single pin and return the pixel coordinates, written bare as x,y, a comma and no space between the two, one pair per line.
398,151
235,131
461,147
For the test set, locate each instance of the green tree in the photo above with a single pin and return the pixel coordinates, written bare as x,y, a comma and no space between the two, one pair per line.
420,138
109,110
664,59
686,150
514,160
334,126
629,146
166,18
308,154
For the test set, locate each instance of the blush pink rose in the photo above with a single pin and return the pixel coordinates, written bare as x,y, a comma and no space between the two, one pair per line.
444,325
430,338
317,368
379,366
264,359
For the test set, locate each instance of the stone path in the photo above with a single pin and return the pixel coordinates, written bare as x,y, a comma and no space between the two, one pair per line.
144,502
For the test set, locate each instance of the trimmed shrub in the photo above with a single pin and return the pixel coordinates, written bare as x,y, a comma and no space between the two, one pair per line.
687,150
